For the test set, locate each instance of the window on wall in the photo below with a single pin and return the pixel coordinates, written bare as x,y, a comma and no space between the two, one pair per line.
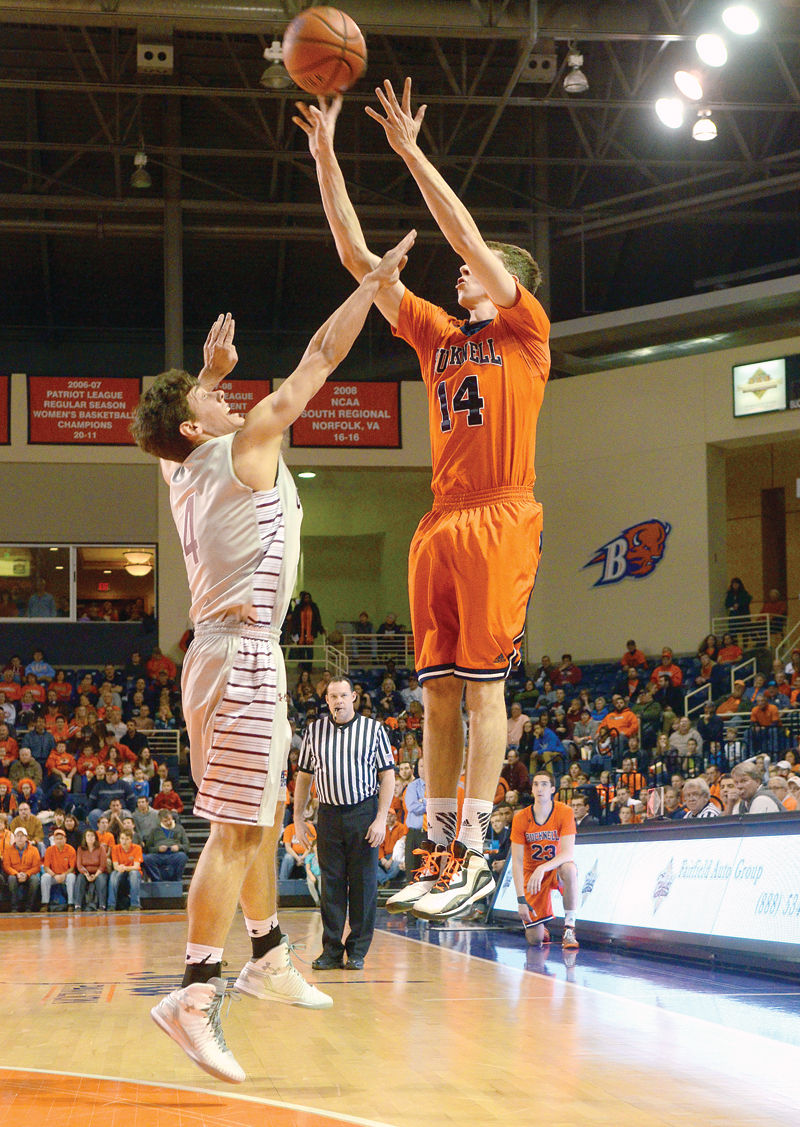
84,583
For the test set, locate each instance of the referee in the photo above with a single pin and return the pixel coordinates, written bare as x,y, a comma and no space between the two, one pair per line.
352,762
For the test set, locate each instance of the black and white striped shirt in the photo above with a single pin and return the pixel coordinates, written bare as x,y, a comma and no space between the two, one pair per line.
345,759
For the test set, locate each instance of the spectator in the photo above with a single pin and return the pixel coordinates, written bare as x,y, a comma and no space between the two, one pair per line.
580,808
670,697
22,863
735,703
390,702
498,838
9,749
603,754
30,823
673,810
91,862
667,666
567,672
631,778
145,818
61,766
548,750
390,637
776,607
40,741
515,773
126,861
105,792
514,725
679,740
599,709
780,788
168,798
633,658
544,672
737,599
364,647
409,750
412,692
167,849
754,797
414,807
305,625
697,799
58,868
41,669
793,783
621,720
28,793
650,714
158,661
729,652
766,731
391,849
710,728
41,604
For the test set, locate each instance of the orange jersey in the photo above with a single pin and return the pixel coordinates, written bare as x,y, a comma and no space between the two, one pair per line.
485,386
541,841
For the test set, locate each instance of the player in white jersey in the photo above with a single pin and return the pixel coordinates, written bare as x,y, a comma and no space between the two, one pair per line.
238,516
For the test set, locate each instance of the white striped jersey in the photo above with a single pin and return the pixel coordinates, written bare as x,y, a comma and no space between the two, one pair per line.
345,759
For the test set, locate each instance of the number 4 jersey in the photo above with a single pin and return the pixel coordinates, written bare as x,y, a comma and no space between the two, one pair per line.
485,386
236,573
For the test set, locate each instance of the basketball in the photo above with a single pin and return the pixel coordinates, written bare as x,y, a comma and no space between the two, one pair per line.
324,51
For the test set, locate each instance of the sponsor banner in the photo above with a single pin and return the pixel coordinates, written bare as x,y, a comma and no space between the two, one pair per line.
86,412
241,395
5,410
725,888
351,414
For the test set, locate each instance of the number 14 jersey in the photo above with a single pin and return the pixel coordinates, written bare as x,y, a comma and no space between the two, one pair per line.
485,385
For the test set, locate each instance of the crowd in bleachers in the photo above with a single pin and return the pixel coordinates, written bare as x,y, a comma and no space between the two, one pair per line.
86,812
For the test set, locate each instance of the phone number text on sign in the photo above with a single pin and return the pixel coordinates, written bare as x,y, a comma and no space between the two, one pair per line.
366,415
87,411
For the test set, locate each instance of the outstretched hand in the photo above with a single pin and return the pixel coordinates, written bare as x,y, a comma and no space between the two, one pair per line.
319,123
400,125
387,272
219,352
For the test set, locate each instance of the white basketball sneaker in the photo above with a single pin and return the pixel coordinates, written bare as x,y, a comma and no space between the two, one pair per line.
433,859
275,979
190,1016
466,879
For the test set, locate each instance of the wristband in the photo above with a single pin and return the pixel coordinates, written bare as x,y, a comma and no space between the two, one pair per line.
521,900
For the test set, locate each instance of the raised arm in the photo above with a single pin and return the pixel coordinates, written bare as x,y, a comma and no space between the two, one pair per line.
454,221
319,125
326,350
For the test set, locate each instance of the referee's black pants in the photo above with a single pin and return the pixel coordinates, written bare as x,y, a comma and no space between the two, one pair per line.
348,867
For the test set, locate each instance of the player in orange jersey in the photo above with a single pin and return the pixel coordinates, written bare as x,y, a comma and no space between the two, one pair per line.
474,557
542,852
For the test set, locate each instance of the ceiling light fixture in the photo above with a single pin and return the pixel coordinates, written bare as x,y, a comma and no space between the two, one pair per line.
276,76
741,19
712,50
138,563
689,85
575,81
670,112
704,128
138,569
141,177
307,474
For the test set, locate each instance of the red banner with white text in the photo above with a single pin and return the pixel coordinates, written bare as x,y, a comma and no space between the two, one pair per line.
5,410
366,415
63,411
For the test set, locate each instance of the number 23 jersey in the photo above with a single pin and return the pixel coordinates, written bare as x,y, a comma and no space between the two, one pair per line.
541,841
485,386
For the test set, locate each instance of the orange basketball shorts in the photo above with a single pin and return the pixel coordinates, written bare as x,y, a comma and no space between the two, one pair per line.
471,570
541,905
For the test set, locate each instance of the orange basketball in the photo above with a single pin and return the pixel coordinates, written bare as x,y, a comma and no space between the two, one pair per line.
324,51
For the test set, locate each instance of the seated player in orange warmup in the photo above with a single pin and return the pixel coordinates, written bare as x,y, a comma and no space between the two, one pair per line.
542,852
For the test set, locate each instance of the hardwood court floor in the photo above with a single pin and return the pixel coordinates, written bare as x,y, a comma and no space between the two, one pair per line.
427,1033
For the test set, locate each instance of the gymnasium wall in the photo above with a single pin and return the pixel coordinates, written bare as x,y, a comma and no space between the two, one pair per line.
654,442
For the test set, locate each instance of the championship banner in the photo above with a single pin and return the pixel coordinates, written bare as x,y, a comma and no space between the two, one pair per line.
5,410
86,412
358,414
241,395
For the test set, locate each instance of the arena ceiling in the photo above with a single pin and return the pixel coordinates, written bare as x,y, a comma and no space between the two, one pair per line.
622,211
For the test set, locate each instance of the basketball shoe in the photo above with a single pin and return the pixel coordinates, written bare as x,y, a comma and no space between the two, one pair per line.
433,860
190,1016
568,940
466,878
275,979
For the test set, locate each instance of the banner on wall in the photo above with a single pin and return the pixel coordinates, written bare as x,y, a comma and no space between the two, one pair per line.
633,553
5,410
366,415
725,887
88,412
241,395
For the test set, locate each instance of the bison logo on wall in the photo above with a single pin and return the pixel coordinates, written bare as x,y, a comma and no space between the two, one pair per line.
633,554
